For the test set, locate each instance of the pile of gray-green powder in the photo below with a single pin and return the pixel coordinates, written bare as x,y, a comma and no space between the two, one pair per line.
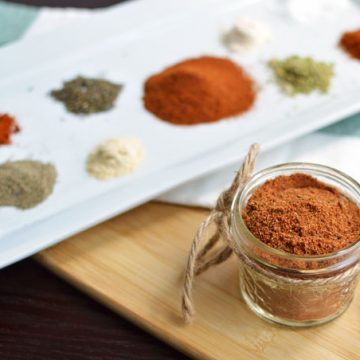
25,184
297,75
86,96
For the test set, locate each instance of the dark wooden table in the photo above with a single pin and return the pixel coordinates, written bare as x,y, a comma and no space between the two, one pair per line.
42,317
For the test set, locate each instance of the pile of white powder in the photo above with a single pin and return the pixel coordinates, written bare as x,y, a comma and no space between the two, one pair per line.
115,157
246,35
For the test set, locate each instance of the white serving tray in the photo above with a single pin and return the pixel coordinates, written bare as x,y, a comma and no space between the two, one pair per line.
126,45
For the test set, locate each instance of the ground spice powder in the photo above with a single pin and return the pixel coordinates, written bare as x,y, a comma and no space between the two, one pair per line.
350,42
115,157
26,183
8,126
200,90
87,96
302,75
301,215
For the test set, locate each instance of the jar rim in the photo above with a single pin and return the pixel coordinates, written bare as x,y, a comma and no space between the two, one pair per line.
237,219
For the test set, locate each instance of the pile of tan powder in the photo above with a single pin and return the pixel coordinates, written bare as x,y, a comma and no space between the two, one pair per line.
86,96
115,157
25,184
302,75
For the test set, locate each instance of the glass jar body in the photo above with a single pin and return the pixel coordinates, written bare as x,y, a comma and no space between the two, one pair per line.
289,289
289,300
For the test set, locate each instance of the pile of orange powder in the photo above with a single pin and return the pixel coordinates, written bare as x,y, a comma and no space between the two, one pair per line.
199,90
8,126
350,42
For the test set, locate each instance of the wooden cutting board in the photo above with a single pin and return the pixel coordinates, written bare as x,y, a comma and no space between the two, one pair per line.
134,265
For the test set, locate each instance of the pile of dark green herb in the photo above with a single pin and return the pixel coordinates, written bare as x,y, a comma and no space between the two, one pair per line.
297,75
86,96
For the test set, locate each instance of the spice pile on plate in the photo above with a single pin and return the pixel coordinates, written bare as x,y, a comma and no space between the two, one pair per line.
115,157
194,91
87,96
8,127
300,215
302,75
25,184
200,90
246,35
350,42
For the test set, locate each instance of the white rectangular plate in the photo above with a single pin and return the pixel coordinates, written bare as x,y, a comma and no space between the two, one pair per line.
126,45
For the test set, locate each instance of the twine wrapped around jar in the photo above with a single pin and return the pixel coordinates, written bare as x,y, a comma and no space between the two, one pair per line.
220,217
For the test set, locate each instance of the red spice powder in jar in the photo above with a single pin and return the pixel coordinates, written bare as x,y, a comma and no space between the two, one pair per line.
8,126
350,42
200,90
301,216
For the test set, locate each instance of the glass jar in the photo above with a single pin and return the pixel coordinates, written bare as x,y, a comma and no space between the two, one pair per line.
291,289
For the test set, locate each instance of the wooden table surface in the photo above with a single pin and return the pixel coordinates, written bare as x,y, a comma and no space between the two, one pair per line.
42,317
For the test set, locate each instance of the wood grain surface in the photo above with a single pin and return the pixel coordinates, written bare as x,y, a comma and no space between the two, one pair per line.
42,317
134,264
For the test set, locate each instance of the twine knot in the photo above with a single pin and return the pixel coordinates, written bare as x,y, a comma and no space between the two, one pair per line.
220,217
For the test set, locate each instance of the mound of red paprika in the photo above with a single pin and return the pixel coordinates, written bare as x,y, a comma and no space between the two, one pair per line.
8,126
350,42
200,90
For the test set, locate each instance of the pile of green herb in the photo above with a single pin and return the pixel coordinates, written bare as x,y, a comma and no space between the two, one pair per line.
86,96
297,75
25,184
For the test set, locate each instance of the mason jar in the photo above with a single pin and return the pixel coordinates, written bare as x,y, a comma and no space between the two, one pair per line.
291,289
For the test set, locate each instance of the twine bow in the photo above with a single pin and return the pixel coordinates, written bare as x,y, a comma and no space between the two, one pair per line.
220,217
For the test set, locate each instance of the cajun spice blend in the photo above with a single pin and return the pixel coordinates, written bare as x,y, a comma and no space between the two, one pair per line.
300,215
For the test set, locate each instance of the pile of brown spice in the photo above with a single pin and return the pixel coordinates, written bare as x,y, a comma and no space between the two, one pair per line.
350,42
301,215
8,126
199,90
